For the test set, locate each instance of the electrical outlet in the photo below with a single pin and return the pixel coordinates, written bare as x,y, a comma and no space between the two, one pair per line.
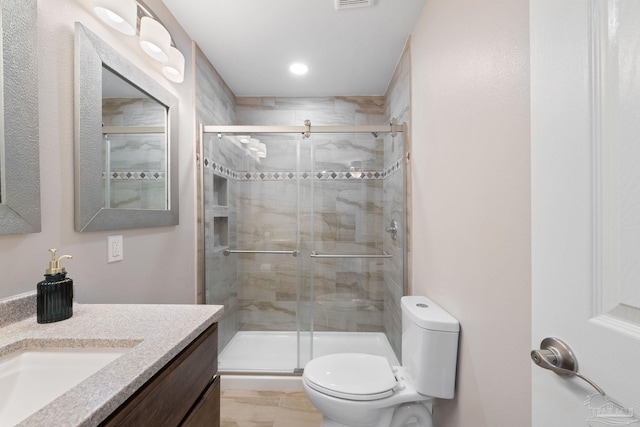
115,249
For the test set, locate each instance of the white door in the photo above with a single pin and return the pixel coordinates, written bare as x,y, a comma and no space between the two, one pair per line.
585,110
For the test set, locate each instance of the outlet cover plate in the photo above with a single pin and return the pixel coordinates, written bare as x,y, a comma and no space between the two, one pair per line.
115,249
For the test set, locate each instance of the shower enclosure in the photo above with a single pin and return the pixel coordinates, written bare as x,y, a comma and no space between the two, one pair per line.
304,241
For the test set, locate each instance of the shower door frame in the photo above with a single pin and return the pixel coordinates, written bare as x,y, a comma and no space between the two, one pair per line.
393,128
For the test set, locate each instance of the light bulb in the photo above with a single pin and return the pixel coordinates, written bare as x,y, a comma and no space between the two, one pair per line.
121,15
173,69
115,18
262,150
254,144
155,40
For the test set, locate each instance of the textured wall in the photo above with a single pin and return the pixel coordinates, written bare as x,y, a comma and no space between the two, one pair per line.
159,263
471,198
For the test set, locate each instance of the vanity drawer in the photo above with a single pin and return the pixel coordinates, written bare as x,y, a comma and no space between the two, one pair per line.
167,398
206,413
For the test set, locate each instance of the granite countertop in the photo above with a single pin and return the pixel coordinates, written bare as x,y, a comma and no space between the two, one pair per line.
155,334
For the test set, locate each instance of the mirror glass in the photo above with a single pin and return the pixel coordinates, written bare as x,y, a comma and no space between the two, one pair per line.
126,142
135,146
19,150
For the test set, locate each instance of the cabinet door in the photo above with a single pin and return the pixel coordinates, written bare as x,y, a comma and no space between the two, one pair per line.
206,413
167,398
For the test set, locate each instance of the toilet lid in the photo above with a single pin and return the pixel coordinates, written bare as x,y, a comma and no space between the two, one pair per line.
351,376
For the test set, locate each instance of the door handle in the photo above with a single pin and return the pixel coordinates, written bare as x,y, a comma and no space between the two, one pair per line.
555,355
393,229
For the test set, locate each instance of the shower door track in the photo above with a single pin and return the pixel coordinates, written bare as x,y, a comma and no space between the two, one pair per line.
393,128
297,372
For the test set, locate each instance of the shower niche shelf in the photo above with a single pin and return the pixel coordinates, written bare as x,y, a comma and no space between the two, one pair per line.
220,232
220,192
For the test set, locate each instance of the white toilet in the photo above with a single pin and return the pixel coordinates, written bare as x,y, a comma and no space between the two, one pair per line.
361,390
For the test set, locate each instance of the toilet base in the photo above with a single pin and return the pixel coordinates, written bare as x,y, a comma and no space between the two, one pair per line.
384,422
413,414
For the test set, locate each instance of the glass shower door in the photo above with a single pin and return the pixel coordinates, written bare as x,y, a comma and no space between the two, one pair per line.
300,246
264,244
356,269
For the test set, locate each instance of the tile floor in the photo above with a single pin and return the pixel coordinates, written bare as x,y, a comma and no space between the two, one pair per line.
245,408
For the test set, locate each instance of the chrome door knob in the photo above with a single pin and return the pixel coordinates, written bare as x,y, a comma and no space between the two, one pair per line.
557,356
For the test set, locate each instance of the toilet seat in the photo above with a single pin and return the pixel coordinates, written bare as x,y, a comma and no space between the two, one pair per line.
351,376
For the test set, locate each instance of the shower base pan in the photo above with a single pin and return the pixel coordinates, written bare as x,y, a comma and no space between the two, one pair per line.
264,360
277,353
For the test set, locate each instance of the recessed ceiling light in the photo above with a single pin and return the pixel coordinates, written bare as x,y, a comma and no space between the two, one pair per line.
298,68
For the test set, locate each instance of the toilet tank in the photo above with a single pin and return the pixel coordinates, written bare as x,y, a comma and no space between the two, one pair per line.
429,346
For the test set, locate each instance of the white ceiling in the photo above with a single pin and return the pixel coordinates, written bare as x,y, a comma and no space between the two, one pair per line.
252,43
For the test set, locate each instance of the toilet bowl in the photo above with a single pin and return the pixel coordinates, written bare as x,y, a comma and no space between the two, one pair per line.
362,390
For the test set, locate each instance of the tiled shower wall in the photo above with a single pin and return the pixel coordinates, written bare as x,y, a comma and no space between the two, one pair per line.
341,212
398,105
349,214
216,105
138,167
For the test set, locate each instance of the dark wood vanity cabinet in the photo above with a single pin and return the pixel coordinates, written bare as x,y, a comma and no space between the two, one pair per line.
186,392
207,411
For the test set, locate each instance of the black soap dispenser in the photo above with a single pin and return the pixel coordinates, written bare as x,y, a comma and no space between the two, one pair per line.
55,292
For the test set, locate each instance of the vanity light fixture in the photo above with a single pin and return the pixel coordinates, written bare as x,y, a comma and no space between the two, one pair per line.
244,139
254,144
262,151
173,69
119,14
154,38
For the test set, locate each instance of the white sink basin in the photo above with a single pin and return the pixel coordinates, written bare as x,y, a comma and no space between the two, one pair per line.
30,379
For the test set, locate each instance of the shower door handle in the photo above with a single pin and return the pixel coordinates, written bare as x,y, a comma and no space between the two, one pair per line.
228,252
314,254
393,229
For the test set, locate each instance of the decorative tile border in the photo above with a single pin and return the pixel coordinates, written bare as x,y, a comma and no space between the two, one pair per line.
220,169
138,175
395,167
293,175
321,176
270,176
